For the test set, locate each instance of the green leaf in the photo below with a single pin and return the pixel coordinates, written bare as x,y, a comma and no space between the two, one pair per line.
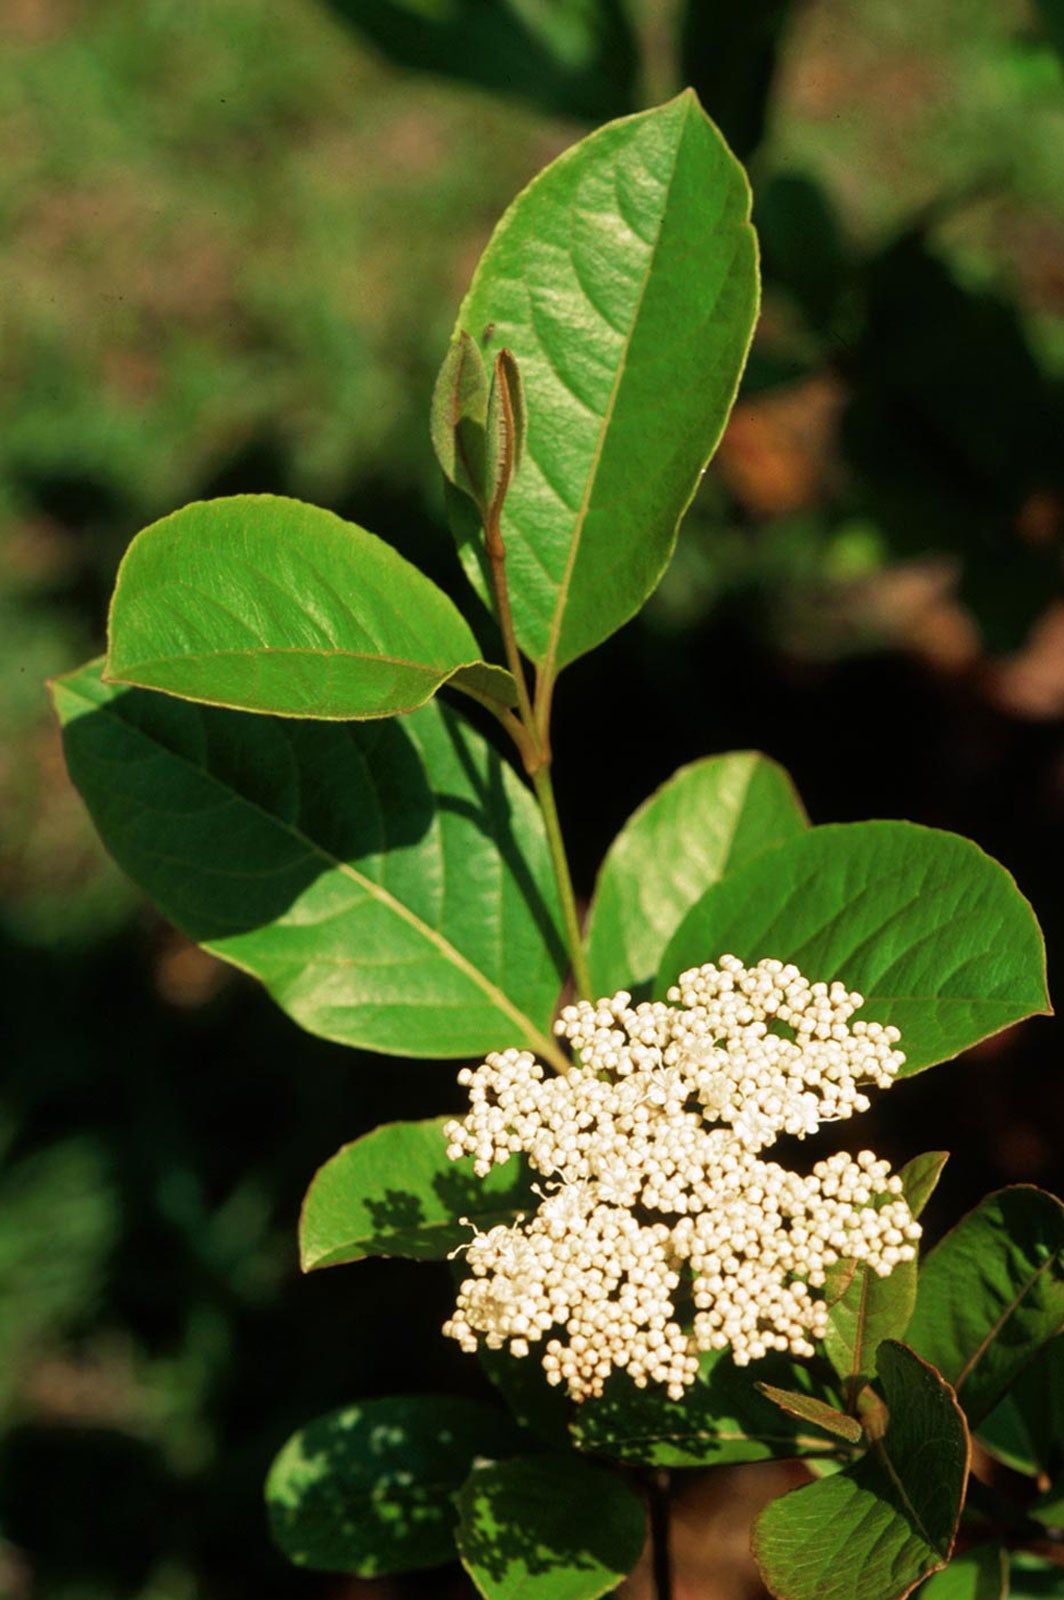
981,1573
710,818
388,882
931,931
578,58
807,1408
722,1418
542,1408
874,1530
1032,1578
1026,1428
1049,1507
548,1528
264,604
369,1489
991,1293
395,1193
873,1308
458,417
624,280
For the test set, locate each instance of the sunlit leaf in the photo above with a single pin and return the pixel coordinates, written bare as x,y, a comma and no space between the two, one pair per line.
872,1531
932,932
369,1489
388,882
395,1193
624,280
548,1527
709,819
265,604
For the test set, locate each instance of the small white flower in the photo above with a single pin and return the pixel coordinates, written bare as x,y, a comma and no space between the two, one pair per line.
653,1143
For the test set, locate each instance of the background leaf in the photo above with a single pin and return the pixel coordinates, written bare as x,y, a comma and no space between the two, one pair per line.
395,1193
709,819
979,1574
624,280
1031,1578
548,1528
388,881
578,59
991,1293
931,931
264,604
873,1308
722,1418
872,1531
369,1489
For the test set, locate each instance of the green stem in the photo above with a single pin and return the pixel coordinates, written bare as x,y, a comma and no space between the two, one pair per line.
541,782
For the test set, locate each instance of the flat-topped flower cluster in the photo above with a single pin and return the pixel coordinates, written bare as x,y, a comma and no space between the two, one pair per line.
663,1232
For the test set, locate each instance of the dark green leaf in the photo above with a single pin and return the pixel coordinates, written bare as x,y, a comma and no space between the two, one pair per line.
624,280
979,1574
872,1308
991,1294
872,1531
722,1418
1049,1507
548,1528
931,931
1032,1578
370,1489
578,58
544,1409
395,1193
388,882
459,416
728,53
264,604
1026,1428
709,819
807,1408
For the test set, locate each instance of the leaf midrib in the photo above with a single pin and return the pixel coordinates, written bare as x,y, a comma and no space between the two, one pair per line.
1010,1311
557,619
498,998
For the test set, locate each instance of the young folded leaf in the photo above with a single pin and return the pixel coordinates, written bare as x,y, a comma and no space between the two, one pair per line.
458,418
549,1527
872,1531
369,1490
931,931
395,1193
991,1293
506,430
709,819
624,280
261,603
389,882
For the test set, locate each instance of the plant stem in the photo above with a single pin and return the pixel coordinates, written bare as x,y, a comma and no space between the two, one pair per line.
541,782
661,1555
535,754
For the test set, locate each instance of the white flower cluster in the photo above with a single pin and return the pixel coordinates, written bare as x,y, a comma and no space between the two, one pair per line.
665,1233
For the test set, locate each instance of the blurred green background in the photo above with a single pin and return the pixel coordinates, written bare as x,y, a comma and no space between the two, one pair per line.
233,236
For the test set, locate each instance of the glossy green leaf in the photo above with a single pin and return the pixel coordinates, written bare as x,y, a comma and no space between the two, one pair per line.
874,1530
578,59
991,1294
624,280
395,1193
722,1418
369,1489
807,1408
981,1573
709,819
1026,1428
264,604
548,1527
873,1308
388,882
931,931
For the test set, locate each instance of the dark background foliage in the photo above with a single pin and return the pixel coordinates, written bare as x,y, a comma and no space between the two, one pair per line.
234,239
